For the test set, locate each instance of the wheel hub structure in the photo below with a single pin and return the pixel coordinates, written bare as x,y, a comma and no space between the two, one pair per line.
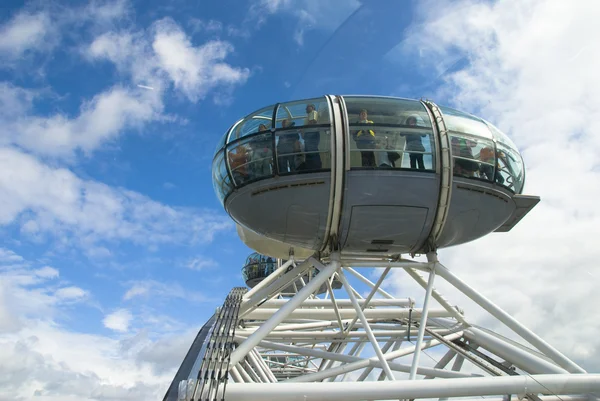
360,342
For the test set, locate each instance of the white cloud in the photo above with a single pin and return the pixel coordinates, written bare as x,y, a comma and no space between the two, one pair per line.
40,31
61,203
100,120
137,290
102,12
210,26
200,263
25,31
119,320
46,361
47,272
71,293
531,68
8,256
165,55
160,57
152,289
42,358
27,293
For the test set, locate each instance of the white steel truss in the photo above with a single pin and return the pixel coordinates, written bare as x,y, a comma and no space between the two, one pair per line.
362,343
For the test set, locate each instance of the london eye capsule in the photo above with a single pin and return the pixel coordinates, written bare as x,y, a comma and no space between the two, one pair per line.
257,267
373,175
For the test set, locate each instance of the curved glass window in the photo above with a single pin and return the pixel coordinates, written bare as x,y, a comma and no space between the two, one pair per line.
223,139
221,182
389,133
457,121
473,156
251,158
303,136
511,173
260,120
501,136
510,163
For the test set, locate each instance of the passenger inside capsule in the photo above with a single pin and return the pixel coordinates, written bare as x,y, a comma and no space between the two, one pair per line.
365,139
414,144
312,159
287,148
464,165
261,154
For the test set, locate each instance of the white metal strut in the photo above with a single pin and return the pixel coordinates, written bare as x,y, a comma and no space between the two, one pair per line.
362,343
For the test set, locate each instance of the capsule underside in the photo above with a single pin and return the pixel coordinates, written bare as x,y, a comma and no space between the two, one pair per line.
368,175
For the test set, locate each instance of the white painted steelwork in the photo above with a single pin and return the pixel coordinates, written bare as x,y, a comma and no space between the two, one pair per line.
362,343
393,390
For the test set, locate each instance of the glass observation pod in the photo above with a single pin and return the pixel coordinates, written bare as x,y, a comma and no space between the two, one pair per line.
258,266
372,175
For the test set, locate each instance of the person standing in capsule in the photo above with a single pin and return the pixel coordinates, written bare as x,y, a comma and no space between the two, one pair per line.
311,140
365,139
287,148
414,143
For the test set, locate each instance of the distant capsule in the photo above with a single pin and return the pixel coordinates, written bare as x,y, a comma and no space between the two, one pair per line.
369,175
257,267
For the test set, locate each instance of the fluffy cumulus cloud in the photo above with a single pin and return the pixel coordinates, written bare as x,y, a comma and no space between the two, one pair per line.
118,320
46,200
531,68
100,120
24,32
58,338
161,57
28,292
41,358
165,55
152,289
38,30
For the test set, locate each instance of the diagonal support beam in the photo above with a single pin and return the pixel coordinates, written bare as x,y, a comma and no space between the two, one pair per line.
366,327
269,279
280,283
436,295
367,282
510,321
369,297
413,371
242,350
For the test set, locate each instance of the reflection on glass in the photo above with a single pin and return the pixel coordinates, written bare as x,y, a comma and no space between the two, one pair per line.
221,182
473,157
258,266
501,136
289,150
457,121
252,157
296,153
238,159
303,112
414,144
389,133
303,147
251,124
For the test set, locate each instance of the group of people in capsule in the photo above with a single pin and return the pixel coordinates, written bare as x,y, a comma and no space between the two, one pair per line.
298,149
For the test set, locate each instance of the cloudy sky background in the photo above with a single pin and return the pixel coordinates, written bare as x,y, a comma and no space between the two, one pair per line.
113,247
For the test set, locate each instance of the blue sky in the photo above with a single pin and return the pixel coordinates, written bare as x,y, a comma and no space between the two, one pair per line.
111,237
